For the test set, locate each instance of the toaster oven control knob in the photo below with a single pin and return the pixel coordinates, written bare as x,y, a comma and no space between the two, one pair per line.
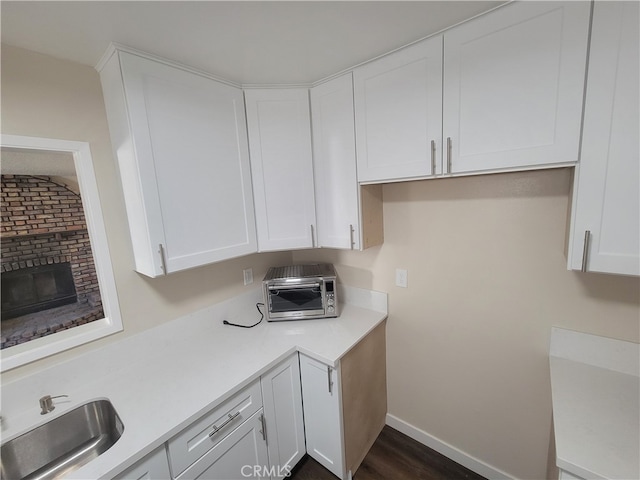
330,309
330,301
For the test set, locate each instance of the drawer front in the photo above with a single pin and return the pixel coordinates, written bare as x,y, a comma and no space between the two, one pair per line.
197,439
241,454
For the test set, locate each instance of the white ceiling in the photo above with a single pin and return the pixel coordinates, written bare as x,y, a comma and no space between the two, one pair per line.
250,42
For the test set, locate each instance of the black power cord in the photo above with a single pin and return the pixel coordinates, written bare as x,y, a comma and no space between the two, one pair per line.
247,326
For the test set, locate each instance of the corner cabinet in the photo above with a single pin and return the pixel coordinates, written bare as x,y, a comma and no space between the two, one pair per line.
349,216
278,121
181,145
500,92
605,227
345,407
284,421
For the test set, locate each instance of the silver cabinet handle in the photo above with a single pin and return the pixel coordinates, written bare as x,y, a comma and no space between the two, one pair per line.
264,427
162,259
433,157
226,422
351,242
585,251
313,239
329,381
449,148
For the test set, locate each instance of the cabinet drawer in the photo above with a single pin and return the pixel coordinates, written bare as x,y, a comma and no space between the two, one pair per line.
193,442
240,454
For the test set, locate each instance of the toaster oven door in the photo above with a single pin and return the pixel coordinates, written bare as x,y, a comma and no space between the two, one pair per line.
295,301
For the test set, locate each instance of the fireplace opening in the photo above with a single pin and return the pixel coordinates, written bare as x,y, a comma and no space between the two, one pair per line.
34,289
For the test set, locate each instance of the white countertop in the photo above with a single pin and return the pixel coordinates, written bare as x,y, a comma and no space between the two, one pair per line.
163,379
596,405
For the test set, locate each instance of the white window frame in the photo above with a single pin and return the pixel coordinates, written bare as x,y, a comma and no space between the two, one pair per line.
36,349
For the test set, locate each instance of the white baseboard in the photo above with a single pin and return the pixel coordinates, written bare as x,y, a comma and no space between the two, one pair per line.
447,450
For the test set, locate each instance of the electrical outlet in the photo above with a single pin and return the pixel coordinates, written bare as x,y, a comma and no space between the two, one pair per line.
401,278
248,276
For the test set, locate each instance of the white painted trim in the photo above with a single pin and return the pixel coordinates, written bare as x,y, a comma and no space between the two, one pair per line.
112,323
447,450
116,47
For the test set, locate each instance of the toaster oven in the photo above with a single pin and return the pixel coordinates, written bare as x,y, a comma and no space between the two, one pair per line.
298,292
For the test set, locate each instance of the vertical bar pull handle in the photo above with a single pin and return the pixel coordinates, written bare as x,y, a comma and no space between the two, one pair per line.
449,148
163,259
585,251
264,427
351,242
313,239
329,381
433,157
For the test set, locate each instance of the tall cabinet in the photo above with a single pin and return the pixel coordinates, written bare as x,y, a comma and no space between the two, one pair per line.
605,226
180,140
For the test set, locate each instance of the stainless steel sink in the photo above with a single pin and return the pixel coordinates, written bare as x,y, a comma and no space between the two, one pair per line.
62,445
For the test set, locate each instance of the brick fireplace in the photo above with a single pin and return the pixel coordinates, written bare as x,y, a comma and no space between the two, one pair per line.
49,281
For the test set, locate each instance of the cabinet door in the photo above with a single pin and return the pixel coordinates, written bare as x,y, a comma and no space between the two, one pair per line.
241,454
282,399
181,144
606,208
280,144
152,467
334,162
513,87
322,414
398,106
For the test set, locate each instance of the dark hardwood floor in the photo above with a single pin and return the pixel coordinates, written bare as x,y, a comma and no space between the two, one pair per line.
393,456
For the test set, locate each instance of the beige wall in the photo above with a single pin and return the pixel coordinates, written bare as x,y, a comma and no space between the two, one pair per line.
468,339
46,97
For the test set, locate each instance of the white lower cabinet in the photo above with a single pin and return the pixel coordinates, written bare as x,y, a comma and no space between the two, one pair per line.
152,467
323,414
241,454
282,399
223,442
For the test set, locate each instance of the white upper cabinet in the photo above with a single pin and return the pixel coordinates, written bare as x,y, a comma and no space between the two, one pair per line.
334,158
398,105
605,233
513,87
500,92
281,163
181,145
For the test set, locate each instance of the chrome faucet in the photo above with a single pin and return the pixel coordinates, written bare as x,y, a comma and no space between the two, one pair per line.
46,403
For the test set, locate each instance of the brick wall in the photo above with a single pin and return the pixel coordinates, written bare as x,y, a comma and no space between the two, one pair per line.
43,223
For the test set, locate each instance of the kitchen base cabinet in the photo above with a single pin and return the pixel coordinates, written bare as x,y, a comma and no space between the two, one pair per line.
241,454
282,400
154,466
345,408
364,395
323,414
605,226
